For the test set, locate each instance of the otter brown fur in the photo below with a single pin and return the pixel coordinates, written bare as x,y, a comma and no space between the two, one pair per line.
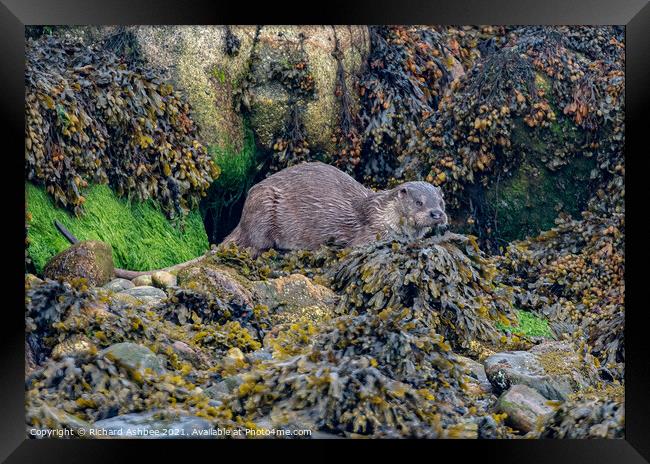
311,204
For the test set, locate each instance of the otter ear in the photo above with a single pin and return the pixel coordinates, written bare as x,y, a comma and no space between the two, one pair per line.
402,191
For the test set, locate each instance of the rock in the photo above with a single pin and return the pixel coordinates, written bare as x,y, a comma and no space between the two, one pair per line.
92,260
295,297
259,356
59,419
163,279
198,64
31,280
216,280
145,293
154,424
76,345
137,359
183,350
278,50
526,408
117,285
479,382
554,369
122,298
215,79
226,387
143,280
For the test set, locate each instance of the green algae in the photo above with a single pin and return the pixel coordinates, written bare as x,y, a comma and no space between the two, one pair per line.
141,237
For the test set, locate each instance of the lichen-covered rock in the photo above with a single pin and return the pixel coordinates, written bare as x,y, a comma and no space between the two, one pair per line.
92,260
217,280
554,369
294,297
138,359
527,410
298,65
197,61
117,285
163,279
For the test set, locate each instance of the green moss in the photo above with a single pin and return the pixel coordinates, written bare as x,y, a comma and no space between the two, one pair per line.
529,199
225,197
529,324
235,166
141,236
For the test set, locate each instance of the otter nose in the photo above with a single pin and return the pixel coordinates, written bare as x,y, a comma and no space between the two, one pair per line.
436,214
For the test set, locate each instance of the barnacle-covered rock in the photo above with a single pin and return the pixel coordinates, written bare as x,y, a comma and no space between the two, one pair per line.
91,260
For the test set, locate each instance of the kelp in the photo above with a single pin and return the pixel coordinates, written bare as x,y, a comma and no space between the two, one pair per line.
93,119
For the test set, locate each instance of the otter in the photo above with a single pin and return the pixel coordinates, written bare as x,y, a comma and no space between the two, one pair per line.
313,204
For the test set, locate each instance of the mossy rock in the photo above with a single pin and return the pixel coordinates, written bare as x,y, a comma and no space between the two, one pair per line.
285,46
92,260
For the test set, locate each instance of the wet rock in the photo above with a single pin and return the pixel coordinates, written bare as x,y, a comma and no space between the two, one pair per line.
92,260
526,408
295,297
145,293
135,358
143,280
117,285
163,279
154,424
554,369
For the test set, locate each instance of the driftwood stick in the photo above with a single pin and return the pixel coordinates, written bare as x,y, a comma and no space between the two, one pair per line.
125,273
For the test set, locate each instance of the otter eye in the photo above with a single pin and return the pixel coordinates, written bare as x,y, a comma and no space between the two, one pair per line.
419,203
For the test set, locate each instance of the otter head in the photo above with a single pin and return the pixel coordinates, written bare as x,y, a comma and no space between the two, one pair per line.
421,207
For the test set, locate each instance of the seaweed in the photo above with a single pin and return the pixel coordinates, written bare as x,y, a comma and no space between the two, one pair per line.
92,119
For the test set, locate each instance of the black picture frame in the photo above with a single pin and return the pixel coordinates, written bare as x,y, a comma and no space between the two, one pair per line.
634,14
